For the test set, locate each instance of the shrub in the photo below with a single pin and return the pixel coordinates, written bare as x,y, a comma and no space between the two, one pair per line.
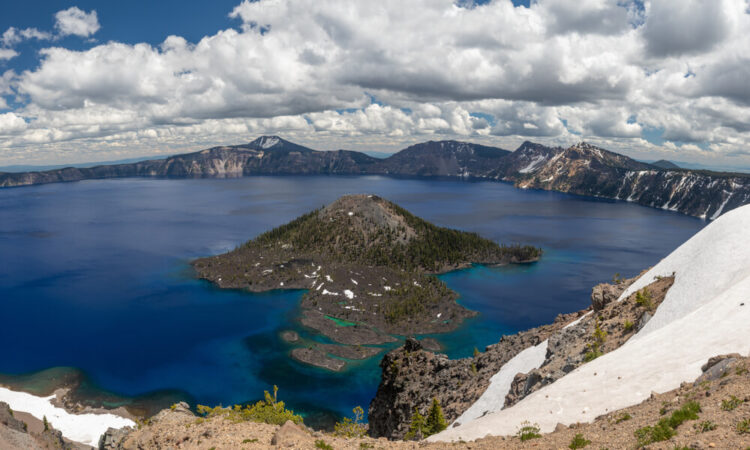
579,442
704,426
599,338
476,352
743,427
643,298
351,428
730,403
628,326
528,431
665,428
321,444
648,435
269,410
623,417
46,424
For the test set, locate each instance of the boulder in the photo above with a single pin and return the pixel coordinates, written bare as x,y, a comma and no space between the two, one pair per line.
604,294
290,435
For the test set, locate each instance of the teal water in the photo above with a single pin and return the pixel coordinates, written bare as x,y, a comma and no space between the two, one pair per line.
94,275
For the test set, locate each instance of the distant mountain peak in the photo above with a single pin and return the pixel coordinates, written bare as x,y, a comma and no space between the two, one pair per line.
265,142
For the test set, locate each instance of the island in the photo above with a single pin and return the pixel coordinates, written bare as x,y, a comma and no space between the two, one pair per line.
367,265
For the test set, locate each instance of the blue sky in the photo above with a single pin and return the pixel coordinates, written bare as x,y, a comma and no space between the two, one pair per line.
91,80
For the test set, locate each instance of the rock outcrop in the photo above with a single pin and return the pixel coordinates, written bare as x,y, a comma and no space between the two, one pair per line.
412,377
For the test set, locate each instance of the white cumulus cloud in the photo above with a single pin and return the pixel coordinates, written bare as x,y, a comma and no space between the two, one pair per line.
75,21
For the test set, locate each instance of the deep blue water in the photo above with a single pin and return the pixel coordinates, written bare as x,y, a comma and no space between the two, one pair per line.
95,275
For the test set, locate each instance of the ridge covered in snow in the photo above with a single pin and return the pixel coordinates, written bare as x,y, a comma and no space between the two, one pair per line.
705,313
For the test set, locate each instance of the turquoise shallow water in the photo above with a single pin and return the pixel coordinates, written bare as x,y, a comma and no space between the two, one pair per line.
95,275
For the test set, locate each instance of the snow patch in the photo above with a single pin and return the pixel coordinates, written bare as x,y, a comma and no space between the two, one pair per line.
268,142
493,398
534,164
349,294
85,428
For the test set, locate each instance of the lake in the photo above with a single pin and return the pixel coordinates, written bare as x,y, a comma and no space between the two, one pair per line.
94,275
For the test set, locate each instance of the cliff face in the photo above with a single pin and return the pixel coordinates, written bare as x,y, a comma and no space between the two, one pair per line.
582,169
587,170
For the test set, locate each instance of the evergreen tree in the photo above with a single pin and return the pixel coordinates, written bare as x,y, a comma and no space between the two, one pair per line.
435,419
418,427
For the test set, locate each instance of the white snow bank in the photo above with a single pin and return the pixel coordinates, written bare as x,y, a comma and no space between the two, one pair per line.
85,428
713,260
702,316
493,398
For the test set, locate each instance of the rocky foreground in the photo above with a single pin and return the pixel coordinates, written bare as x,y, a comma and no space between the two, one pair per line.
581,169
412,377
721,420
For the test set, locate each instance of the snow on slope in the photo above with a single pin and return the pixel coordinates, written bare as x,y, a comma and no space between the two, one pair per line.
525,361
705,313
85,428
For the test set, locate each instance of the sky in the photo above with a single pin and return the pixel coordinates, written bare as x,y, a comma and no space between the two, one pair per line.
99,81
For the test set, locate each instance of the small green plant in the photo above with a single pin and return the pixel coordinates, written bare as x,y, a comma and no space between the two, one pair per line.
595,348
351,427
704,426
579,442
741,370
476,352
628,326
269,410
249,441
743,426
730,403
173,407
658,433
665,428
366,445
420,426
321,444
528,431
46,424
622,417
617,279
643,298
474,368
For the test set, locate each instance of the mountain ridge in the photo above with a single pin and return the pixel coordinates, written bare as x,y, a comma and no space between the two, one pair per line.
581,169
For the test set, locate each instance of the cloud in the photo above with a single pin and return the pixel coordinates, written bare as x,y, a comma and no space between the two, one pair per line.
310,69
11,124
13,36
74,21
7,53
676,27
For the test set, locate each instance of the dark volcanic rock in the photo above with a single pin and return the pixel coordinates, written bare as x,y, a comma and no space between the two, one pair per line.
604,294
7,418
318,358
412,377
